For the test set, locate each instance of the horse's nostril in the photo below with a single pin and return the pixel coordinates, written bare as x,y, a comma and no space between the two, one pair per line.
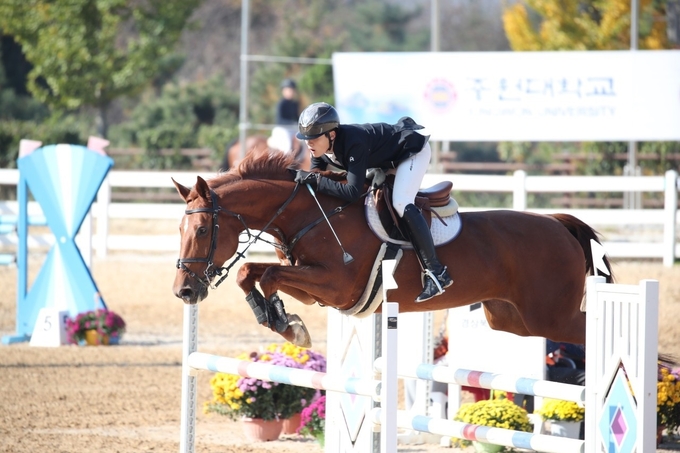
186,293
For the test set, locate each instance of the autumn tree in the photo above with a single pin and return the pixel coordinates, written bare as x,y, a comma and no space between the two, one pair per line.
587,25
583,25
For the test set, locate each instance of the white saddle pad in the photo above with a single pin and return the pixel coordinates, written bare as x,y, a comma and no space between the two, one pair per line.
441,234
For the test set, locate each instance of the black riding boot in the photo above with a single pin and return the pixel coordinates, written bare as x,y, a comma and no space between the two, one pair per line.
435,276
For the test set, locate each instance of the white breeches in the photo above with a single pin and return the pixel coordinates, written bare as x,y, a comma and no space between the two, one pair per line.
409,176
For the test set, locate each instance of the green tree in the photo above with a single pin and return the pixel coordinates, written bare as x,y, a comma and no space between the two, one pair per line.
194,115
79,56
316,30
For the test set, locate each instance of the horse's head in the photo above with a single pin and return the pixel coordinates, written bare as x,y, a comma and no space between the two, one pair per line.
204,225
210,229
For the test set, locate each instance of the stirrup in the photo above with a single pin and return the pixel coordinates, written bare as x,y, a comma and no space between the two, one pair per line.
433,285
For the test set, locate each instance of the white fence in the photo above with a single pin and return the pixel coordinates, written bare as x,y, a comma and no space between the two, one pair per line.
636,244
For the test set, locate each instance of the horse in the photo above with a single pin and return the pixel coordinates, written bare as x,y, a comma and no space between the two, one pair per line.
232,156
528,270
261,143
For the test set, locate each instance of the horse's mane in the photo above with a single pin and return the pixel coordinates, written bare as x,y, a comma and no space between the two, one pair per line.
267,164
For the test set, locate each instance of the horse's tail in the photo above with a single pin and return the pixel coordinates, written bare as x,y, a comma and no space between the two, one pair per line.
583,234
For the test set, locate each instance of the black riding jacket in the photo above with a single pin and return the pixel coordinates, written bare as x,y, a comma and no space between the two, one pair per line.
358,147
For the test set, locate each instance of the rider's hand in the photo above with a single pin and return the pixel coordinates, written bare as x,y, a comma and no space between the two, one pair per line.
306,177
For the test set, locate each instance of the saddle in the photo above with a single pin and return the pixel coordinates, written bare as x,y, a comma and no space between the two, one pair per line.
427,200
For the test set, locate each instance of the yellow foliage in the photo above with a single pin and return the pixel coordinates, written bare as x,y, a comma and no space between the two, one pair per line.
575,25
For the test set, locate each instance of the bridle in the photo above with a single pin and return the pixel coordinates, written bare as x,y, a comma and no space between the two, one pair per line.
211,271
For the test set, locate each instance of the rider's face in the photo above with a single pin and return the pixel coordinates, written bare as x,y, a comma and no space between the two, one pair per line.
320,145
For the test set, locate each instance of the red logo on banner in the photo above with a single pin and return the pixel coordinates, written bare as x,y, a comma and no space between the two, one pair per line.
441,95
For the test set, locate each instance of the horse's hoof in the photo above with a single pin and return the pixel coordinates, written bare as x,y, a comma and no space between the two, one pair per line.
301,335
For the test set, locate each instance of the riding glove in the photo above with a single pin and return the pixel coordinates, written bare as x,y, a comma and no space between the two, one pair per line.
307,177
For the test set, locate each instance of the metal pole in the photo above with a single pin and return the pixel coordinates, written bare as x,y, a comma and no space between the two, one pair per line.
631,198
434,47
434,26
634,7
243,105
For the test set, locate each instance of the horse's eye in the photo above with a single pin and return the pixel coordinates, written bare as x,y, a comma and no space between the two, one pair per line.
202,231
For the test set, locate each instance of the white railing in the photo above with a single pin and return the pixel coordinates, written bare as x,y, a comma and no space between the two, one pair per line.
636,245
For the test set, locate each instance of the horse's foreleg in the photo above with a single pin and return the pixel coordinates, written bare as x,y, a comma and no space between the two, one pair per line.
307,280
270,312
251,273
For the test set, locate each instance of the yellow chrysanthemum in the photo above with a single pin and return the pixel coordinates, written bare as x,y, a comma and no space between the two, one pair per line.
500,413
553,409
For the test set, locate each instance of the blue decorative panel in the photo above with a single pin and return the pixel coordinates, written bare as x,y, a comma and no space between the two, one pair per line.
618,424
64,180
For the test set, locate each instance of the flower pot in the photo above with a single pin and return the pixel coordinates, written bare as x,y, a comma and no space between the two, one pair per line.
290,425
483,447
258,430
92,338
562,428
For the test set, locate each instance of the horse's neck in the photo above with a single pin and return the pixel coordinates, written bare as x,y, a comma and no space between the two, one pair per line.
259,202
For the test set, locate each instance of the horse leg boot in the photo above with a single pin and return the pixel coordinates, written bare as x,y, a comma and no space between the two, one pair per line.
435,275
258,304
271,313
291,327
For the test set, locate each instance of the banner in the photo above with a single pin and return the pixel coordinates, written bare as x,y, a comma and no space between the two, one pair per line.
513,96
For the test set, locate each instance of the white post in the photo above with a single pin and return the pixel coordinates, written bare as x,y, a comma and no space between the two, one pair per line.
390,384
594,357
102,214
648,341
187,435
670,217
519,191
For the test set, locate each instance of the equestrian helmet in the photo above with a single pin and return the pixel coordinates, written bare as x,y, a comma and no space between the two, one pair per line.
316,120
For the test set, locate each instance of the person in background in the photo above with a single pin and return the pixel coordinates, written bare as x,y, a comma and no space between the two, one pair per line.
288,107
285,141
566,363
281,140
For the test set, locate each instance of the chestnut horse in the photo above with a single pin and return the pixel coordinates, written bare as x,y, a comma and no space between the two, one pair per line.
258,144
528,270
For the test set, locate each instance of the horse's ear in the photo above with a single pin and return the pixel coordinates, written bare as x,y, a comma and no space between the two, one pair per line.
202,188
182,190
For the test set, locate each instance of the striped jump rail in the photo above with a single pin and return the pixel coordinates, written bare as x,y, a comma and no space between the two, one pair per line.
8,225
285,375
498,436
493,381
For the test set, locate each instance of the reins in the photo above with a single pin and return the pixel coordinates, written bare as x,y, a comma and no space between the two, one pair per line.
211,272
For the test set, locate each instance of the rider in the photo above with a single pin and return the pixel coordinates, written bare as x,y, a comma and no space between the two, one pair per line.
358,147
